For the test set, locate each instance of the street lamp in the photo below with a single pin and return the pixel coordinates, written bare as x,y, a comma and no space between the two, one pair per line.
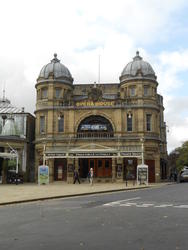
44,158
142,141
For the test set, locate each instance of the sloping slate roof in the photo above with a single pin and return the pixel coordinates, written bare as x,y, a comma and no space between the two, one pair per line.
7,107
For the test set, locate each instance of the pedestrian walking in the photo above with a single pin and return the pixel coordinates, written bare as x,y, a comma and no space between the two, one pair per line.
76,176
88,176
91,176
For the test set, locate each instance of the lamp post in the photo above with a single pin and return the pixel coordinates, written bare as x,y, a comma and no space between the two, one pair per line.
44,158
142,141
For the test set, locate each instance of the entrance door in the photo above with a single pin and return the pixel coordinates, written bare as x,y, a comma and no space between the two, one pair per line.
101,167
60,169
151,170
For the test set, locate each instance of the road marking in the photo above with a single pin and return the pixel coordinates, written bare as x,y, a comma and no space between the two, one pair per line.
120,201
165,205
145,205
181,206
126,203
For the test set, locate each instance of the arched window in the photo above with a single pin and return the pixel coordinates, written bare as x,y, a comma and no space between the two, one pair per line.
95,126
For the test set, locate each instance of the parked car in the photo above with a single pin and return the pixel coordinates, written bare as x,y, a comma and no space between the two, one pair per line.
184,175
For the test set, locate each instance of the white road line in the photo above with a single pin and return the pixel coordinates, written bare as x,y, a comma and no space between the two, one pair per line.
165,205
144,205
128,204
120,201
181,206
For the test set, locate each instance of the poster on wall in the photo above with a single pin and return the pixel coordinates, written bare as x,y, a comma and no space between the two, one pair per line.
43,175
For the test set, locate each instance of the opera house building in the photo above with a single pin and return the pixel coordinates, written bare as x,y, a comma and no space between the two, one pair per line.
106,126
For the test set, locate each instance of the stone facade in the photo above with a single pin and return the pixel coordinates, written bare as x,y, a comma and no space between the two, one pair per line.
100,125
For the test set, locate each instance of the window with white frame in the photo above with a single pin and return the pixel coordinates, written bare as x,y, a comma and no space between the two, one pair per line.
42,124
132,91
129,122
146,90
57,92
148,122
44,93
61,123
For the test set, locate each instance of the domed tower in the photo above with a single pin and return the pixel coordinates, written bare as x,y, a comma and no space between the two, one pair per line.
54,89
138,78
138,88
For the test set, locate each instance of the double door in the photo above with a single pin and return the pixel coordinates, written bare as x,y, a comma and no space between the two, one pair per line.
101,167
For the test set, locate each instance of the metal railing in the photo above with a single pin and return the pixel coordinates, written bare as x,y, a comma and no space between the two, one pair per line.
95,134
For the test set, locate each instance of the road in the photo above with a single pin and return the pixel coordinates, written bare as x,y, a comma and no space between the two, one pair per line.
148,219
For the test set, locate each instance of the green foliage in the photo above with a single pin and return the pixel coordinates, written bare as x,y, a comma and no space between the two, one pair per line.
182,159
11,163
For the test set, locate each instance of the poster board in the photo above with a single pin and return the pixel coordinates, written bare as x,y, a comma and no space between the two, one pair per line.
142,174
43,175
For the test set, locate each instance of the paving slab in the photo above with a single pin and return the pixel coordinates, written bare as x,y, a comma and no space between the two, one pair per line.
11,193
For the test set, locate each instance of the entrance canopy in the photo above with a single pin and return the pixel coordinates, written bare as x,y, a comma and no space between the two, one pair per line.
8,155
93,151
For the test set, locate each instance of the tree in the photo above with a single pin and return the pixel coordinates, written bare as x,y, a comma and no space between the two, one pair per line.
182,159
172,158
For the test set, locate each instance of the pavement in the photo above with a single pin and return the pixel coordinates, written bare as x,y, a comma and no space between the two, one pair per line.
29,192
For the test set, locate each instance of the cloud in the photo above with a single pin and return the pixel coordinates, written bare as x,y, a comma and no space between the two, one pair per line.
80,31
169,67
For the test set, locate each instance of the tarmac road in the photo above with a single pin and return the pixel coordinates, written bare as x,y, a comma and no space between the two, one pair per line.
155,218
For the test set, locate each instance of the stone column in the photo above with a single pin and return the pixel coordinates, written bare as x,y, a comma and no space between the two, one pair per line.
119,173
76,163
70,170
157,168
50,164
37,159
113,169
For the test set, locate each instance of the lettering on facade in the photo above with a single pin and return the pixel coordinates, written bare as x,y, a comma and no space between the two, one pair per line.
55,154
135,154
92,154
94,104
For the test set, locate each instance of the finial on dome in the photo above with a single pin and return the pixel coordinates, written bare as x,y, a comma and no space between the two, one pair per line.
137,57
55,58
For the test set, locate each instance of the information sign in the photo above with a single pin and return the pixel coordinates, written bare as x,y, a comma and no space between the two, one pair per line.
142,174
43,175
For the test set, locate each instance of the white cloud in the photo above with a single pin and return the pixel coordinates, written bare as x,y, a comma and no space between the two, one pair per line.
31,31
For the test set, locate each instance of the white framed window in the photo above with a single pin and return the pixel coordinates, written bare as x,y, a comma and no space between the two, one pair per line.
132,91
148,122
129,122
42,124
57,93
44,93
61,123
146,90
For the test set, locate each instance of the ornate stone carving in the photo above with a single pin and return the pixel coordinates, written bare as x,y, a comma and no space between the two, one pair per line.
95,94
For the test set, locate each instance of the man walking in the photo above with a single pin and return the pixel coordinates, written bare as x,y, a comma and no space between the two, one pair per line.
76,176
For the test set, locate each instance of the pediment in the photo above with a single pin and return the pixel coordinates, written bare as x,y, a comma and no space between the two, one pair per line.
92,146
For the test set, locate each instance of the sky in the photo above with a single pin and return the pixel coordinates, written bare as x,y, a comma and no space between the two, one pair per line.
81,30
